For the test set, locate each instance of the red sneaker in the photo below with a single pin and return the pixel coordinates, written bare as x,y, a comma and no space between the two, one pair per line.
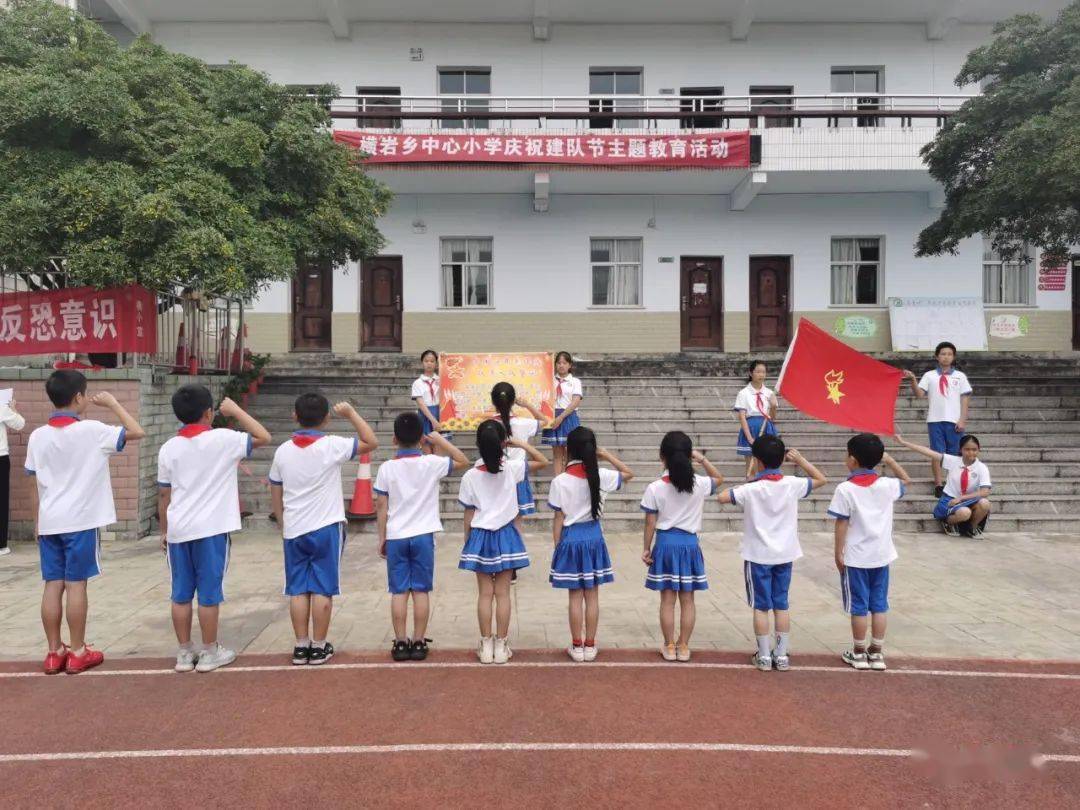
80,663
56,661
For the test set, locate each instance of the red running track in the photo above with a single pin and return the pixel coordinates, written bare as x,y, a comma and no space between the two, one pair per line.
627,730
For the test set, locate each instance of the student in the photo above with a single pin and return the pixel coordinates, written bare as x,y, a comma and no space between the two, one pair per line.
948,393
964,505
756,408
568,394
493,546
673,506
770,543
305,487
199,509
425,393
72,500
504,398
10,419
407,516
863,508
581,562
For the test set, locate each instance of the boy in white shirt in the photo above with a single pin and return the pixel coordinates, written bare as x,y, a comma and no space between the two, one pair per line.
198,508
407,514
770,544
863,508
305,488
72,500
948,394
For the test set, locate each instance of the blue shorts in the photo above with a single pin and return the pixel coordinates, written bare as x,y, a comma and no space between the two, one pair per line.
865,590
943,437
410,564
313,560
767,585
199,565
71,556
942,509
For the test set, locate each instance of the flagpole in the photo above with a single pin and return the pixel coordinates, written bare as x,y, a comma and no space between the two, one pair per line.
787,356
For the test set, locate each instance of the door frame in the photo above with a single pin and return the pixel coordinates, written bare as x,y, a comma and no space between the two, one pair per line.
363,303
787,257
1074,295
719,313
293,322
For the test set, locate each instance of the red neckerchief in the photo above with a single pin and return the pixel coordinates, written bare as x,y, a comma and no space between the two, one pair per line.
576,469
558,388
757,401
191,431
62,421
305,439
770,477
431,387
943,382
965,479
863,479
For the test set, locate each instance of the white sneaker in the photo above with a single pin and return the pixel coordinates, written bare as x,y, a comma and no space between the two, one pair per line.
576,653
486,650
855,659
876,660
7,550
503,652
589,653
764,664
211,659
682,653
668,651
185,660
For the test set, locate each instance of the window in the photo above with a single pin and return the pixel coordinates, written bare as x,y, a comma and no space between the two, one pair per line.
379,100
616,272
692,102
1006,279
857,80
856,271
614,82
772,98
466,272
460,82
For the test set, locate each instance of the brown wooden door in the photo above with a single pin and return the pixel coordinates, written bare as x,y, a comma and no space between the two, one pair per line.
770,317
1076,301
313,305
380,304
702,303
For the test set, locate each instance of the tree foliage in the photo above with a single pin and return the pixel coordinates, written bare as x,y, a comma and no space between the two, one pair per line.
141,165
1010,159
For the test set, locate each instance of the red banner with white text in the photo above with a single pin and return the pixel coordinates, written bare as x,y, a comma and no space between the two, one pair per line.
718,150
79,319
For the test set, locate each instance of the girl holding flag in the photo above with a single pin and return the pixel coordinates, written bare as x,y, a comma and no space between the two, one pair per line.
756,407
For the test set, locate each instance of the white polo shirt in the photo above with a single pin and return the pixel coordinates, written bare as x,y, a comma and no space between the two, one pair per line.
8,419
771,517
978,476
865,500
410,484
674,509
200,469
426,389
944,407
71,465
308,470
521,428
748,398
566,388
569,492
492,495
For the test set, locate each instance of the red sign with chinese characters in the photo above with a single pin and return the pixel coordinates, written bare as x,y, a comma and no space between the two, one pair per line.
1052,273
79,319
718,150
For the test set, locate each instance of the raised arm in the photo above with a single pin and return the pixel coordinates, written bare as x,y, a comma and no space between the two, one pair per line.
533,410
132,429
913,381
933,455
260,436
815,475
440,441
606,455
368,442
537,460
893,466
710,469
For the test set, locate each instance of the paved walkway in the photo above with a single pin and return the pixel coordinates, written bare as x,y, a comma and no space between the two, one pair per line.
1002,597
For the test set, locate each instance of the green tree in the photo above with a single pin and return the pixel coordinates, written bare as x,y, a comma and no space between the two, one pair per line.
141,165
1010,158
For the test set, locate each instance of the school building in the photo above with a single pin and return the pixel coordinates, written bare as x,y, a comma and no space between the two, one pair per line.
612,255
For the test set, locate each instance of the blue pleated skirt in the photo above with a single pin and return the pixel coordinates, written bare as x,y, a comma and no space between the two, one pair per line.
742,446
581,558
678,564
488,551
526,499
428,427
557,437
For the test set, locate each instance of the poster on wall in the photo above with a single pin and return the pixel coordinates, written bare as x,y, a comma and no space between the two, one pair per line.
919,324
466,380
1052,273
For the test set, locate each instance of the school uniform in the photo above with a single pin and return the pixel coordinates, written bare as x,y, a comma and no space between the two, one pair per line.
199,466
426,389
308,470
944,392
865,500
678,564
755,403
770,541
494,543
523,428
14,421
581,558
961,482
410,484
566,388
69,459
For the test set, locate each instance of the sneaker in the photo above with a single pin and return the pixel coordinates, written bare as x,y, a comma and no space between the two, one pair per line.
576,653
5,551
966,529
939,490
589,653
56,662
320,655
217,656
980,529
950,529
668,651
856,659
80,663
877,661
683,653
419,649
402,650
185,660
764,664
301,655
486,650
502,652
782,663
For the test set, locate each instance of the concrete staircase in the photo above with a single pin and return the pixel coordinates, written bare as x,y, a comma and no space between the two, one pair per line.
1025,412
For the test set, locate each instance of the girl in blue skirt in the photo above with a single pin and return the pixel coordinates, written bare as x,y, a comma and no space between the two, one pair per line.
568,394
425,393
756,408
504,398
673,506
493,545
581,561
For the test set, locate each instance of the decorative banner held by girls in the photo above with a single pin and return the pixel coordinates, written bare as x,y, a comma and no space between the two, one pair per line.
467,380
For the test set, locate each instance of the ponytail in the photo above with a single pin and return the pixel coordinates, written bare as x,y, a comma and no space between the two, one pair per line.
675,449
503,398
489,441
581,446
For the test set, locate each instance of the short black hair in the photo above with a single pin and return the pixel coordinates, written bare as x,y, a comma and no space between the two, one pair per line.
944,345
63,386
867,449
311,409
408,429
769,450
970,437
190,402
426,352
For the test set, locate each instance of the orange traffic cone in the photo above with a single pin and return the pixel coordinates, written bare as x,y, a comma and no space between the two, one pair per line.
361,505
181,351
